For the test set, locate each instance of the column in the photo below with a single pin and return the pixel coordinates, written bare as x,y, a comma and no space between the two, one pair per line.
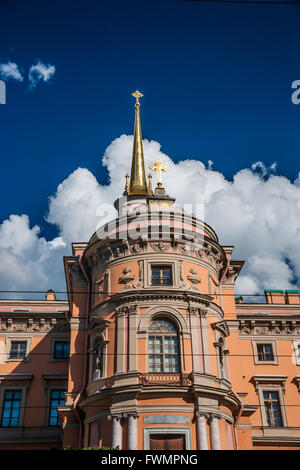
116,431
132,347
196,340
201,431
205,349
132,431
214,432
120,362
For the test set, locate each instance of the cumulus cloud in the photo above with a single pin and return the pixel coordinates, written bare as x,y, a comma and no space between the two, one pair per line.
10,70
28,261
258,212
40,72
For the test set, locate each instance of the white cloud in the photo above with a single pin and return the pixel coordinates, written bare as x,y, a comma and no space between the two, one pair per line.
258,212
40,72
10,70
28,261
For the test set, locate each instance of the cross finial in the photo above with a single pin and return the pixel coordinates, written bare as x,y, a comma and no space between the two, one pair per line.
137,94
158,167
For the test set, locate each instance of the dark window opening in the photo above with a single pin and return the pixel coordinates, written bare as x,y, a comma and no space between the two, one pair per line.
62,350
265,352
162,276
11,408
272,409
57,399
18,350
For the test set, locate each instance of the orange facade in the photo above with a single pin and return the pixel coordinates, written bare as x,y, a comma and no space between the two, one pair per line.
151,350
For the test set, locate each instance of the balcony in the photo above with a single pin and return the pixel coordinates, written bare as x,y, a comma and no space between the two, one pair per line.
164,378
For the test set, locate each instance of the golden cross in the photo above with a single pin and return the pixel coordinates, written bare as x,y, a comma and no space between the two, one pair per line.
158,166
137,94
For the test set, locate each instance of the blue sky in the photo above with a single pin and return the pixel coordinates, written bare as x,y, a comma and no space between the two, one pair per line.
216,79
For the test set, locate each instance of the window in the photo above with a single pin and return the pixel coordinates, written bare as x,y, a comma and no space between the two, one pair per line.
61,350
17,350
11,408
57,398
265,352
161,276
97,359
163,347
272,408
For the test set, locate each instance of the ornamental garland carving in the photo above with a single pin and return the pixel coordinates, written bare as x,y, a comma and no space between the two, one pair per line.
33,325
121,248
273,327
126,278
126,309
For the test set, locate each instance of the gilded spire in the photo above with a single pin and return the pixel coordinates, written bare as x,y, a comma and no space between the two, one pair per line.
138,183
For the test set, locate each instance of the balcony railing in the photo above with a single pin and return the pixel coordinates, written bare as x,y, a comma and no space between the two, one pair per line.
164,378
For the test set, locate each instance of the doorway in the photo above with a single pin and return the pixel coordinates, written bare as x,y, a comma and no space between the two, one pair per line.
167,442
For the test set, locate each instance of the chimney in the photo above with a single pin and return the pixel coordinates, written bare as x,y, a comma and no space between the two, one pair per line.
292,297
274,296
50,295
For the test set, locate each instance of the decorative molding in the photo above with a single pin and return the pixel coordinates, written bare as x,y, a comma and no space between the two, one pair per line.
126,278
264,379
33,325
166,419
269,327
130,309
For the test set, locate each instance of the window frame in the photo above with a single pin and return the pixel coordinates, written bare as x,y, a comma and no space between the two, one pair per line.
54,350
271,383
279,405
17,339
58,339
160,268
296,346
13,400
163,354
161,261
54,388
267,341
4,388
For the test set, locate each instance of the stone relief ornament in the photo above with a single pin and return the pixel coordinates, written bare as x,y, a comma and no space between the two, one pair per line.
126,278
33,326
193,277
160,246
140,282
262,330
136,248
119,251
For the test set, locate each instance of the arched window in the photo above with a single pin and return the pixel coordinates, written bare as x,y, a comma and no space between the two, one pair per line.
163,346
97,359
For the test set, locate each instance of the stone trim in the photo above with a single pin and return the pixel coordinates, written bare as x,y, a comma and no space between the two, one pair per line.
48,395
256,342
296,345
14,386
55,339
268,327
9,340
274,383
167,430
296,380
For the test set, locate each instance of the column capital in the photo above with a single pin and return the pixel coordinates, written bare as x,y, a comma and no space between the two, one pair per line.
198,414
132,414
214,416
117,416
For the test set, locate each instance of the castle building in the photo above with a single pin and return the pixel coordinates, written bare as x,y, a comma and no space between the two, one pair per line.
152,350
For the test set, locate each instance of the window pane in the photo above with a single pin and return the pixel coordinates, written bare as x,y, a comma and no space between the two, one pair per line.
11,408
57,398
